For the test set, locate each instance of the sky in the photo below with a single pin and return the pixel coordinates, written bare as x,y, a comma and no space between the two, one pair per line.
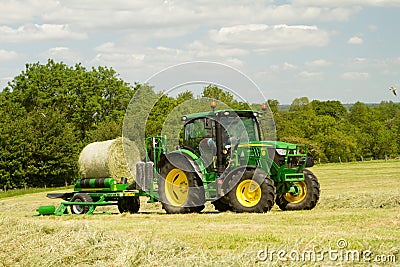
346,50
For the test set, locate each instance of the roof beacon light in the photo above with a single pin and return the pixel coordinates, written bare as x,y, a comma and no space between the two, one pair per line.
213,104
264,107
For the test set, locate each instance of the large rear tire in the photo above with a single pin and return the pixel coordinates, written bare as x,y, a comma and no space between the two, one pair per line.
180,191
254,192
306,197
80,209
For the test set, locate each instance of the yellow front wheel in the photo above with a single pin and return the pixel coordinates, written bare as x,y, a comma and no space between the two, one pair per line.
254,191
305,195
300,195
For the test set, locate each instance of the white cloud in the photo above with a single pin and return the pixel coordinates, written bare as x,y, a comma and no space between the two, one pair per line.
20,11
106,47
373,28
318,63
38,32
261,37
355,75
199,49
136,14
359,60
6,55
355,40
152,19
284,67
288,66
306,75
64,54
122,60
345,3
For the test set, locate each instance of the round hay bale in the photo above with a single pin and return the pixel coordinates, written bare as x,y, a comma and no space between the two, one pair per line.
107,159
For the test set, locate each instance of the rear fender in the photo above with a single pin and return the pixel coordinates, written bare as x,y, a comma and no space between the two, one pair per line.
183,161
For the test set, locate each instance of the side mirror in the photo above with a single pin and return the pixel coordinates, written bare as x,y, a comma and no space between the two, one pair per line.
309,161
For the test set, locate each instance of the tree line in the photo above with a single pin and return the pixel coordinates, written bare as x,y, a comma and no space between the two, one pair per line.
335,133
49,112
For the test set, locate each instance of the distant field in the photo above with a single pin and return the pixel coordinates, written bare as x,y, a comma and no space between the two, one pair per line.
356,220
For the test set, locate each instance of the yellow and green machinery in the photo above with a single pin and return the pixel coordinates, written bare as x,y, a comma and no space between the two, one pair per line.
223,158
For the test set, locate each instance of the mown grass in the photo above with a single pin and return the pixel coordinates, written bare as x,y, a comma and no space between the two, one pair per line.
360,203
26,191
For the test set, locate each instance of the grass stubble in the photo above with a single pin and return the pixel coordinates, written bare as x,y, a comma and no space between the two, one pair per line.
359,203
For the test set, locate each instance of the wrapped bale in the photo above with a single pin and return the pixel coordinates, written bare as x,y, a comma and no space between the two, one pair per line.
107,159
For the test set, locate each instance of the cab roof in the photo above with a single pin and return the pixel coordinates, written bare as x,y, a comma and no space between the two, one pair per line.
226,112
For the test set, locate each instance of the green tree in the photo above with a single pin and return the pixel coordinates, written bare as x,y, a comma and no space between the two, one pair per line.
37,149
214,92
49,112
84,97
334,109
273,105
298,103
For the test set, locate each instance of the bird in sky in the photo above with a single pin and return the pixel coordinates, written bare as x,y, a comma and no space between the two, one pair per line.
393,90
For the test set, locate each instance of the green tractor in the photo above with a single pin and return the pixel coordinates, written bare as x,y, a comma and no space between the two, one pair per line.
223,159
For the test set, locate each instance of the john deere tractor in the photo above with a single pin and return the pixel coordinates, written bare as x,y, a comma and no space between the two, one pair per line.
223,159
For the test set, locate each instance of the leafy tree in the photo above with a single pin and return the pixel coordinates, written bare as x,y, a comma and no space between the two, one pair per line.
214,92
84,97
48,113
37,149
185,96
298,103
334,109
376,129
273,105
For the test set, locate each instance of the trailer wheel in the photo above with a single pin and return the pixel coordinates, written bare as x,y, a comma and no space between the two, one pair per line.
129,204
80,209
254,192
306,197
180,191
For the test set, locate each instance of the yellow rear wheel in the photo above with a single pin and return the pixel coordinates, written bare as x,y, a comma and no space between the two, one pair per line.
176,187
248,193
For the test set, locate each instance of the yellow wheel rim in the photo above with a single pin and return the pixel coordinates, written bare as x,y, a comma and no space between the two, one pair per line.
300,196
176,187
248,193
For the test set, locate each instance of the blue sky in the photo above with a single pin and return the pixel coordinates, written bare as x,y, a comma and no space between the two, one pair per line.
325,50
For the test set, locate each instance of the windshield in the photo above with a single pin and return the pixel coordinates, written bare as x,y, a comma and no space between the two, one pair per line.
244,128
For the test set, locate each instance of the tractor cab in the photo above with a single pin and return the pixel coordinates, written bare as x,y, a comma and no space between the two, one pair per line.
213,135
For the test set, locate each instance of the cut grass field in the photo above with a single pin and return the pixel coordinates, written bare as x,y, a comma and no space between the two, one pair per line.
358,212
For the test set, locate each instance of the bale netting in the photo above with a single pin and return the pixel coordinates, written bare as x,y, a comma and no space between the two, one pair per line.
106,159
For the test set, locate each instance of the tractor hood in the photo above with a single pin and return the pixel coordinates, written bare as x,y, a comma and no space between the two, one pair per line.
269,144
